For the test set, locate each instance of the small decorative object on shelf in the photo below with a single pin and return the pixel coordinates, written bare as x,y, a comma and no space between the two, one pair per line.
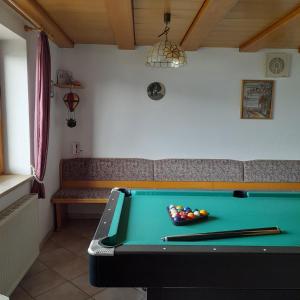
63,77
71,100
65,80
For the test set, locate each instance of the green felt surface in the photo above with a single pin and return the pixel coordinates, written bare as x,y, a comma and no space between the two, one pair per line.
144,218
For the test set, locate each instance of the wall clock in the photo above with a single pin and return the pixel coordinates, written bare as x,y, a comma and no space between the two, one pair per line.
156,90
278,64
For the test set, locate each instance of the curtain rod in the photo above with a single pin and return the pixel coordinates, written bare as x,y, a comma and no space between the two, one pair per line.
28,28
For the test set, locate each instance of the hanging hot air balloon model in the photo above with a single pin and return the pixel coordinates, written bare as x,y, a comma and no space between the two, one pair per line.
71,100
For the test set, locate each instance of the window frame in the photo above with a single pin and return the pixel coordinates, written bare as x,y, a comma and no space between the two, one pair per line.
1,137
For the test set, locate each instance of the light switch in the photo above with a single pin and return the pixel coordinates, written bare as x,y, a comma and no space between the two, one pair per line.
76,148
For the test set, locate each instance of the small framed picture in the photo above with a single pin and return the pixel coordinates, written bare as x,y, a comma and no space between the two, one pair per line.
257,99
156,90
278,64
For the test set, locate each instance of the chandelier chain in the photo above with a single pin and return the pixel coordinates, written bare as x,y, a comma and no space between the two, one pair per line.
166,31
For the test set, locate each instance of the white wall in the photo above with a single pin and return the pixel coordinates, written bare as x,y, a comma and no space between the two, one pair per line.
199,116
15,23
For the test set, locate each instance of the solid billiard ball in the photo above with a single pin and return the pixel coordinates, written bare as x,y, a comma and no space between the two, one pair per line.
177,219
186,208
179,207
171,206
196,213
191,215
203,212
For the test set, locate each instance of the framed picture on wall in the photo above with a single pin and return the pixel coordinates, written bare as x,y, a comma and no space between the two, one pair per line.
278,64
257,99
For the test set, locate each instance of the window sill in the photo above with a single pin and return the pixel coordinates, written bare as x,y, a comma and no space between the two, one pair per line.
11,182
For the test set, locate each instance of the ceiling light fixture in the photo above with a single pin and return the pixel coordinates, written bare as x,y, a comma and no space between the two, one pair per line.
166,54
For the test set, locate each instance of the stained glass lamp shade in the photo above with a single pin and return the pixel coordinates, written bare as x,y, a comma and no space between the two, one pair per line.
166,54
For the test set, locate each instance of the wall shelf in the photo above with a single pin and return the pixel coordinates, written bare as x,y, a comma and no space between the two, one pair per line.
68,86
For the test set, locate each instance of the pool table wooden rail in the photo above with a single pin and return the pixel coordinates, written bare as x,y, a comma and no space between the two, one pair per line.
206,185
89,180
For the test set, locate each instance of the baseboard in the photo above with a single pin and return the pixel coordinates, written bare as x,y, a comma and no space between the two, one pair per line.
46,237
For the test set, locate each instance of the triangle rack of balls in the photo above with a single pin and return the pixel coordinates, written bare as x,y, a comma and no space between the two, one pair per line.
181,215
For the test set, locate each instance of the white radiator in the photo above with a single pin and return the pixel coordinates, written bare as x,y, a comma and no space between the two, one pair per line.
19,245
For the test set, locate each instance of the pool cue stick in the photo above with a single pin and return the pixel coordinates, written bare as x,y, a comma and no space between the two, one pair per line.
223,234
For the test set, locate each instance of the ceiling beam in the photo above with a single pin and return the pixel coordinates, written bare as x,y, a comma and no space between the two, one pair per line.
258,41
120,14
32,11
208,16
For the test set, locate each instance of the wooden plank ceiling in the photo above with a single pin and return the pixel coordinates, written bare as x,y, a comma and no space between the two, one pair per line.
250,25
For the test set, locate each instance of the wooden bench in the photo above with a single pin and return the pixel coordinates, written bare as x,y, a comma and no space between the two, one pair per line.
90,180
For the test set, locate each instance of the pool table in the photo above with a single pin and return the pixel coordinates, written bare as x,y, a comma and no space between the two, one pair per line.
127,249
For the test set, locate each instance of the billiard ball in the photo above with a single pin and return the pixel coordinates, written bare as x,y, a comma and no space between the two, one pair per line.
203,212
179,207
191,215
177,219
196,213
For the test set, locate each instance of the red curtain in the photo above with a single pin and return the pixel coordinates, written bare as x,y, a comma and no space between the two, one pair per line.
41,113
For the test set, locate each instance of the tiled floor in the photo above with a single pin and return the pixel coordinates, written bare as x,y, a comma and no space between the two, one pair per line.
61,270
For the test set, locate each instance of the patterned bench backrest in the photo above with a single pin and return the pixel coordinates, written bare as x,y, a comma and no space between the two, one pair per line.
194,170
272,171
107,169
198,170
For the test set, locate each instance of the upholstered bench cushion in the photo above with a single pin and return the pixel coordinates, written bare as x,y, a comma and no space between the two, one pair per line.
198,170
86,193
272,171
107,169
